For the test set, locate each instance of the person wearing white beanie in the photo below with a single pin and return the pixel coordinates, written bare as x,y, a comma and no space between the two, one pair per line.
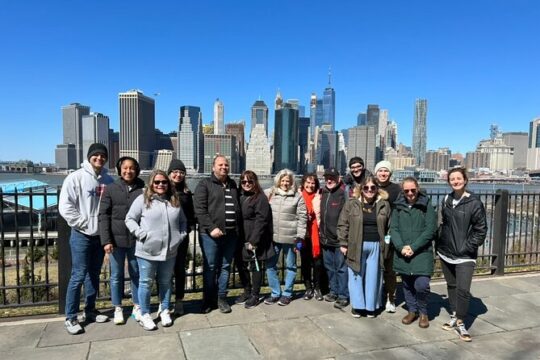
383,173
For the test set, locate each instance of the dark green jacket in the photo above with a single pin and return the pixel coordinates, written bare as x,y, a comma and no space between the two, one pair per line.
350,230
415,226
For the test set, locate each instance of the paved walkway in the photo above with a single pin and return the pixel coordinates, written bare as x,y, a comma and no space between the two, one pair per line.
504,323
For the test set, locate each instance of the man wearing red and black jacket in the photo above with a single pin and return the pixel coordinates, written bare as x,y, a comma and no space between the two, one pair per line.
332,201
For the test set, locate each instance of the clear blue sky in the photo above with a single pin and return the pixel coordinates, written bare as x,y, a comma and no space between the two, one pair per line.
477,62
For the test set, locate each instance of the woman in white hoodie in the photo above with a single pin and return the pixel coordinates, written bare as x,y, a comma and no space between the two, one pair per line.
159,224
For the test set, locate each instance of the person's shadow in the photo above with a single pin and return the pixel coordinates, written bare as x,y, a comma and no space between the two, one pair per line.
437,302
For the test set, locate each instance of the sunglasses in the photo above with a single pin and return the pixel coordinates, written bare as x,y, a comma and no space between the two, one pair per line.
162,182
412,191
245,182
369,188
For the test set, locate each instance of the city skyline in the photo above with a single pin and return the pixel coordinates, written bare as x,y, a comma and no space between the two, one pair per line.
473,71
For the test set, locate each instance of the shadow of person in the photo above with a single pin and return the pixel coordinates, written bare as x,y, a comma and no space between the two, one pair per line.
440,301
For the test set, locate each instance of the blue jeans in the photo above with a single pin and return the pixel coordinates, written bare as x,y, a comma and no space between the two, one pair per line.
217,256
86,260
416,292
290,272
336,268
117,260
147,271
366,286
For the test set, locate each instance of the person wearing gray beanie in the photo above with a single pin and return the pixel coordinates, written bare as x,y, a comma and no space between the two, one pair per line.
383,173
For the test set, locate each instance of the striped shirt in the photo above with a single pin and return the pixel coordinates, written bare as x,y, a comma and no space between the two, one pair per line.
230,211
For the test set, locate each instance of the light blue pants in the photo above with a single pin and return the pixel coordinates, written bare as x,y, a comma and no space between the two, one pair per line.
365,288
290,270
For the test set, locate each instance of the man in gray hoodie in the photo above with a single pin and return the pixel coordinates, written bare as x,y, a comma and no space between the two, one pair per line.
79,206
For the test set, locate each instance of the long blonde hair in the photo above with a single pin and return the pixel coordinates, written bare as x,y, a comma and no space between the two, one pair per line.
170,194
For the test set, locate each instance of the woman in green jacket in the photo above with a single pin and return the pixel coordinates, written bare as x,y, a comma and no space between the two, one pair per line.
412,230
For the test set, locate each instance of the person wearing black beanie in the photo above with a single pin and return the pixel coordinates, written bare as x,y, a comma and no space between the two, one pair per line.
177,174
97,148
356,175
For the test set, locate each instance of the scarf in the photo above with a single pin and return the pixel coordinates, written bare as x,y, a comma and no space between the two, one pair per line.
312,226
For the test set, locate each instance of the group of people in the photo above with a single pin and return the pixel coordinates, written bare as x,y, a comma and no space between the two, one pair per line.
353,235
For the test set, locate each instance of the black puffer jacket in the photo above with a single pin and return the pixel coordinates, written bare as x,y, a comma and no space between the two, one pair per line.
114,206
463,227
258,226
209,204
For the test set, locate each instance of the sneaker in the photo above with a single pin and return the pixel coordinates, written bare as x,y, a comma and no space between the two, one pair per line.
73,327
318,295
370,314
207,307
118,315
390,307
341,303
179,307
93,316
223,305
242,298
271,300
450,324
165,317
330,297
147,322
252,302
356,313
136,313
308,295
284,300
462,332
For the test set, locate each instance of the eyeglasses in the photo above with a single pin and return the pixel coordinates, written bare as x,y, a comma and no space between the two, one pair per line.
161,182
245,182
412,191
369,188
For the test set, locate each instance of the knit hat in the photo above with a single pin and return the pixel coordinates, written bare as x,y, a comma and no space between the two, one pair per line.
383,164
176,165
97,148
356,159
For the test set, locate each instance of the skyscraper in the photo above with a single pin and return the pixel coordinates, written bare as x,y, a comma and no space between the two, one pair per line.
95,129
190,136
372,116
258,154
419,131
72,115
238,131
303,141
286,138
361,119
259,115
137,124
518,140
327,149
329,104
362,143
219,117
219,144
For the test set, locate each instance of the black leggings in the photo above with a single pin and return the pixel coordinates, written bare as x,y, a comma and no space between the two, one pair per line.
308,264
458,282
180,269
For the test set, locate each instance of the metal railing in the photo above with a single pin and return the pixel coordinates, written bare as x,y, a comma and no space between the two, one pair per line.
35,259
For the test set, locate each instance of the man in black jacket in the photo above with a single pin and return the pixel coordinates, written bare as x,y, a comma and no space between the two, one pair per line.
332,201
217,208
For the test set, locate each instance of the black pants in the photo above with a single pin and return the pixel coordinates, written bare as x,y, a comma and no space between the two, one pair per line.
242,268
310,264
458,282
180,269
254,277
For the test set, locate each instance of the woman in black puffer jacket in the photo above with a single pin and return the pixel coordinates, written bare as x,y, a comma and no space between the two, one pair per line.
462,231
114,235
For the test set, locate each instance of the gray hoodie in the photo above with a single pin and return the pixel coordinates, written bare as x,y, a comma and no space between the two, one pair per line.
159,229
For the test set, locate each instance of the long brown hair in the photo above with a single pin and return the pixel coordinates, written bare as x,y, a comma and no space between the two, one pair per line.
250,175
170,194
373,179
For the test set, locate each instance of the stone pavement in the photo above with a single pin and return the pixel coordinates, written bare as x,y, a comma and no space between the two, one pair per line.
504,324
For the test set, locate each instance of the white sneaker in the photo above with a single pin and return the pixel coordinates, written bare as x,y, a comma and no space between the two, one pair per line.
390,307
165,316
147,322
118,315
136,313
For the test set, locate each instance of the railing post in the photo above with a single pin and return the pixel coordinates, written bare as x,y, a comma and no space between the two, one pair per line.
64,262
500,223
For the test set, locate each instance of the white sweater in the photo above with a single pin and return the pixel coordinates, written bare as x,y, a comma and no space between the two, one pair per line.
80,197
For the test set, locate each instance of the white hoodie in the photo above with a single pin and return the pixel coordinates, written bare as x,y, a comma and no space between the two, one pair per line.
80,197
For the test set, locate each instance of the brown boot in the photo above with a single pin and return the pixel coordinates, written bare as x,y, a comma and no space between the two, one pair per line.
409,318
424,321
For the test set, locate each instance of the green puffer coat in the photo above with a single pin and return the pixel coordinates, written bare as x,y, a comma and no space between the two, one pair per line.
415,226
